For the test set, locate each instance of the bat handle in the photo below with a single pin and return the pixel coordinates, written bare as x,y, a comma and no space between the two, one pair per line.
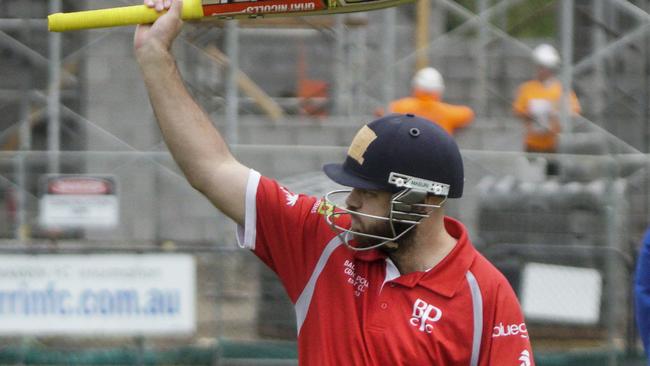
114,17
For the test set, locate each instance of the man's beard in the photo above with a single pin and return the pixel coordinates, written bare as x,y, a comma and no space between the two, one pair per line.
403,241
383,228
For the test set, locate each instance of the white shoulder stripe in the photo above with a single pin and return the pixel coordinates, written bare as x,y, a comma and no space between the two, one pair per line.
477,306
304,300
246,235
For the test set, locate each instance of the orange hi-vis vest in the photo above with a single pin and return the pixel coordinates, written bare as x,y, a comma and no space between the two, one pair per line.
427,105
530,91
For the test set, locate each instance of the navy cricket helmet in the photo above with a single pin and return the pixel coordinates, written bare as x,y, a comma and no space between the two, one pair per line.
388,151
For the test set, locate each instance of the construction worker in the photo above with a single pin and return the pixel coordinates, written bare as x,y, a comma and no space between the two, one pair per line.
428,87
538,102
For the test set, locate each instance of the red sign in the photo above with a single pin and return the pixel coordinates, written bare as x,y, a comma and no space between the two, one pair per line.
79,185
264,7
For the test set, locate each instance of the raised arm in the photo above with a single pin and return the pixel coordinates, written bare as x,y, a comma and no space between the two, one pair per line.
195,144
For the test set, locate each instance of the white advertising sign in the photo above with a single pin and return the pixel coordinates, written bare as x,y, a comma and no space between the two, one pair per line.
104,294
78,201
561,294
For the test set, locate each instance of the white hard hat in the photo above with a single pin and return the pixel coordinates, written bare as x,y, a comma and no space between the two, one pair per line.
547,56
429,80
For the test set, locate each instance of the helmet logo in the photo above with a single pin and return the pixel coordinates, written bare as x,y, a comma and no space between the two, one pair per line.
360,144
419,184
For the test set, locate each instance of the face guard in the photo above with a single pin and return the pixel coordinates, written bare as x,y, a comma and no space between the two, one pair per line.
406,207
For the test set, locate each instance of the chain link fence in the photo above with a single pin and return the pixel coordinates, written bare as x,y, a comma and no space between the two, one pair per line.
516,216
566,242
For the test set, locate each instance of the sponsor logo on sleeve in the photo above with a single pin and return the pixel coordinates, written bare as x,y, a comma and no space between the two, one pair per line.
508,330
322,208
424,315
524,357
291,198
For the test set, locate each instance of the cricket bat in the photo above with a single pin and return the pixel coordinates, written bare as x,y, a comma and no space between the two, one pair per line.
202,9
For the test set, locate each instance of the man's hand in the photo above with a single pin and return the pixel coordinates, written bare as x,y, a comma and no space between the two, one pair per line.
159,36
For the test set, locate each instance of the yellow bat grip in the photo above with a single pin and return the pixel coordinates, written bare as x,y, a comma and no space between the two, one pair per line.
114,17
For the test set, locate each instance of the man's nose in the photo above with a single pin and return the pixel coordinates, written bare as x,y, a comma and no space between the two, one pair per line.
352,201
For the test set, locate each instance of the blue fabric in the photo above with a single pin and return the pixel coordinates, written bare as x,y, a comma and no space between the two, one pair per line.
642,292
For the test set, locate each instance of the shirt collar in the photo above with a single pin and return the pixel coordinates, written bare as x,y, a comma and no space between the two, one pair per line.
425,95
447,276
549,83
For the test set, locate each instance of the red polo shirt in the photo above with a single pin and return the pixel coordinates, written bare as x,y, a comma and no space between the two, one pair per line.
354,308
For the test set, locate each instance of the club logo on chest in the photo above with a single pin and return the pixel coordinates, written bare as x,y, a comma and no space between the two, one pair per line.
424,315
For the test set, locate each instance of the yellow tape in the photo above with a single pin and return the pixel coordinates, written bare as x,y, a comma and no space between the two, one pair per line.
192,9
114,17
